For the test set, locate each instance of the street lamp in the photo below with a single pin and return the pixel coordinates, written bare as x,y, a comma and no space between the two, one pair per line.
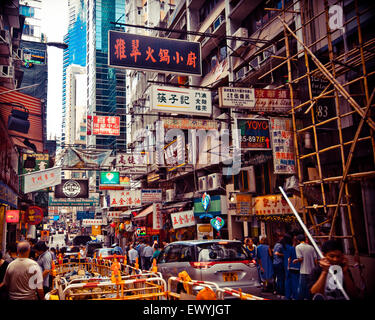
60,45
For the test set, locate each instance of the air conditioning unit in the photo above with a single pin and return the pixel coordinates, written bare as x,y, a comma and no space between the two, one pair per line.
213,181
202,183
217,23
169,195
241,33
6,71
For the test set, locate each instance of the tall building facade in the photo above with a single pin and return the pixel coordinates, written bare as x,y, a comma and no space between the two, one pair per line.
106,91
74,54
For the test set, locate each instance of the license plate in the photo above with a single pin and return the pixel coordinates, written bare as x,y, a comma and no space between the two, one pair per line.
230,276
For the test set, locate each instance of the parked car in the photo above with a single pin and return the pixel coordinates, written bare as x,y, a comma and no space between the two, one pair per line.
224,262
109,253
91,246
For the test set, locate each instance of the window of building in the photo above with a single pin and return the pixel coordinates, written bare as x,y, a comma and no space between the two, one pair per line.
27,11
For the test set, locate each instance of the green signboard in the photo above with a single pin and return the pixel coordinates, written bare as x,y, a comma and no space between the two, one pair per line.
111,177
214,209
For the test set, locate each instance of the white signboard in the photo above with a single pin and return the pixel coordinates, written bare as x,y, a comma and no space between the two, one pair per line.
151,195
39,180
131,159
122,198
236,97
92,222
113,214
180,100
183,219
157,218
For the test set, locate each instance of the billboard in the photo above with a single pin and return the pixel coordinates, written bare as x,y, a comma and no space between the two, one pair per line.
72,189
255,134
110,178
106,125
180,100
134,51
91,201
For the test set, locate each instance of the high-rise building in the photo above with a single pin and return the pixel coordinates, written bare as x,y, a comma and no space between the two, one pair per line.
106,91
75,53
32,10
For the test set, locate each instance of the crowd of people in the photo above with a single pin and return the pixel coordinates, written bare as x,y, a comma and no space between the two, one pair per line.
289,269
292,271
25,271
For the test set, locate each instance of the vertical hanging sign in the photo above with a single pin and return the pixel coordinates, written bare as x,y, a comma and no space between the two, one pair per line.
157,219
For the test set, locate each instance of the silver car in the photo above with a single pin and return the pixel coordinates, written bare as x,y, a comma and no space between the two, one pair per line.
224,262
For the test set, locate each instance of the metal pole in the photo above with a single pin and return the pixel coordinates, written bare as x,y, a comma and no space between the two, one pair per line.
339,286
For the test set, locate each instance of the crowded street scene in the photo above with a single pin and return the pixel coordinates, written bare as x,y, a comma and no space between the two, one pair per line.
168,150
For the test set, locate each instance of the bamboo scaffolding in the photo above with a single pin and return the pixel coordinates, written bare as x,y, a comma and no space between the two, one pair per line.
336,68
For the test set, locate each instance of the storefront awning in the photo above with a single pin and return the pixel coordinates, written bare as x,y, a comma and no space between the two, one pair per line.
145,212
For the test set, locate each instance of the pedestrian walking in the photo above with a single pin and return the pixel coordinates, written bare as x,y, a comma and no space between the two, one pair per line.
307,257
11,252
147,254
278,266
3,267
140,248
291,269
45,262
322,285
251,248
133,255
156,252
23,277
264,256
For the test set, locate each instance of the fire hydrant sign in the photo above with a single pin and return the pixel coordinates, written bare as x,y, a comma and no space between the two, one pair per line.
183,219
106,125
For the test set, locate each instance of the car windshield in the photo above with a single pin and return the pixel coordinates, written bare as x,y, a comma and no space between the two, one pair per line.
221,251
105,252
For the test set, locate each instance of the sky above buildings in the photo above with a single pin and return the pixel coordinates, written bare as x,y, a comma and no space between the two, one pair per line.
55,26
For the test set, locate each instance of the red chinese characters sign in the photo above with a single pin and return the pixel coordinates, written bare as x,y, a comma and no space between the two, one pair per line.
34,215
151,53
12,216
275,204
183,219
107,126
120,198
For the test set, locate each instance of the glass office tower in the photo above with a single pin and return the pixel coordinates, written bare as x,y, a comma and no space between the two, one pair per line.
76,51
105,85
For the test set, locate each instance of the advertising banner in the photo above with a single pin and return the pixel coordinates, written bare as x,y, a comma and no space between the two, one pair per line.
12,216
282,146
183,219
72,189
255,134
151,195
275,204
85,215
180,100
131,159
39,180
92,222
134,51
193,124
91,201
110,178
106,125
119,198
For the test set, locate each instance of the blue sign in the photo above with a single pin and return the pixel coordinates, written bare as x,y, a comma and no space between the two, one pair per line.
85,215
55,218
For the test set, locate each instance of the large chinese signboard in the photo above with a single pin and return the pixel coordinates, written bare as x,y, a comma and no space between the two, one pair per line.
197,124
183,219
255,134
258,100
282,146
42,179
180,100
106,125
136,51
131,159
120,198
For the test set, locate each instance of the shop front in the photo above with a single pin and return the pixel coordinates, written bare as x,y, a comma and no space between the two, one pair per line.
275,216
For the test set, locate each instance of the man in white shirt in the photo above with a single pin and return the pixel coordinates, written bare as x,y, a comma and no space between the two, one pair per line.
23,277
308,258
133,255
